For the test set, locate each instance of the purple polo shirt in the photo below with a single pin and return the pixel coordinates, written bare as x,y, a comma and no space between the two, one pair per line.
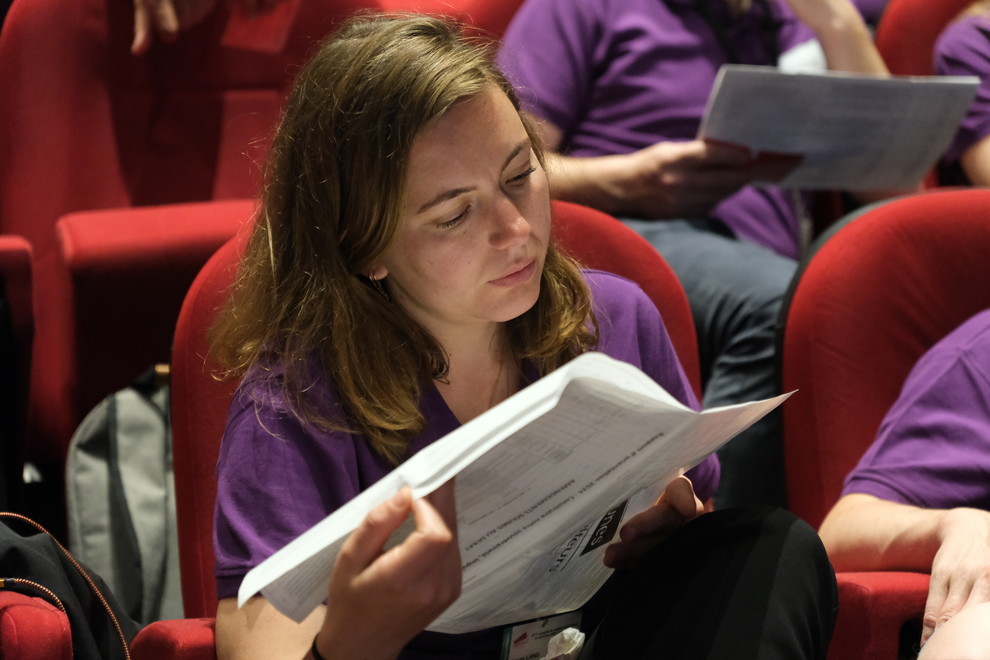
620,75
871,10
933,447
276,479
963,49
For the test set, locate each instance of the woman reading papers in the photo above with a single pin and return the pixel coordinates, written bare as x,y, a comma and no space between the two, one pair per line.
400,280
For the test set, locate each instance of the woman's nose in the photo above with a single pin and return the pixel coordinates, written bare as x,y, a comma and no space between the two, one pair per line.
510,227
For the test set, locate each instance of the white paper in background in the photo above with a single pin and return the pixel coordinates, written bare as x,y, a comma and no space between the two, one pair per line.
848,131
543,481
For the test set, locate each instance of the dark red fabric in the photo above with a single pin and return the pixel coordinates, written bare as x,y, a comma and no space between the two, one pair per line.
490,16
875,296
84,125
184,639
907,32
872,300
597,240
872,609
199,413
32,629
116,286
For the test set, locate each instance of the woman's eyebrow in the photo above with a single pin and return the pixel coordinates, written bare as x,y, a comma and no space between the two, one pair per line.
443,197
515,152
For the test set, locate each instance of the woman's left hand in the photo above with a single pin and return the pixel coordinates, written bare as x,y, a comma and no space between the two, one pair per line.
646,530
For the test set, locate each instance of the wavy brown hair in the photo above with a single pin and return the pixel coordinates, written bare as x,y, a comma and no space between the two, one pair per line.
302,317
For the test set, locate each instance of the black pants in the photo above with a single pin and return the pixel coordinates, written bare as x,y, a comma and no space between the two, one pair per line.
738,583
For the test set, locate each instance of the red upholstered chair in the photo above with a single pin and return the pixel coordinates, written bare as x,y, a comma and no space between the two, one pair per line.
907,32
33,629
491,16
199,401
86,126
117,281
875,295
597,240
906,36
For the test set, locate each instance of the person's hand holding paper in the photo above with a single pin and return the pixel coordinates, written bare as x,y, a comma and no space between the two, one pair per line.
394,594
677,505
683,179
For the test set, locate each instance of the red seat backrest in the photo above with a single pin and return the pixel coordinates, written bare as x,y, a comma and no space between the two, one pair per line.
887,285
86,126
907,32
199,401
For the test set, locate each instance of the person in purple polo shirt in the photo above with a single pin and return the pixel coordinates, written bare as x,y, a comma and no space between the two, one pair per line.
963,49
400,280
619,88
919,499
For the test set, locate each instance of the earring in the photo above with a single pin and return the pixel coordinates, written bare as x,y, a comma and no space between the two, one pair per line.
377,283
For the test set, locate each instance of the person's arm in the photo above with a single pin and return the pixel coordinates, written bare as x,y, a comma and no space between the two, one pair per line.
976,163
866,533
848,46
664,180
842,33
378,601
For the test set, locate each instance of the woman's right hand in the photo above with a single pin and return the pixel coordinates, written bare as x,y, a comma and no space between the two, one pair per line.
379,601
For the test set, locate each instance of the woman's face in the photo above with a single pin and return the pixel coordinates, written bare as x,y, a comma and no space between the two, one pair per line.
476,220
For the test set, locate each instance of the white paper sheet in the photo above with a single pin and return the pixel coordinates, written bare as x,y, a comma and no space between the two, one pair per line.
851,132
543,481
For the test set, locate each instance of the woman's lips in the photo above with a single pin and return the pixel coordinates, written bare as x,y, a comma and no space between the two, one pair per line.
517,276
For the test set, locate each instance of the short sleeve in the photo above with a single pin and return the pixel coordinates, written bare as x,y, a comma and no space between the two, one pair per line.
275,480
933,447
963,49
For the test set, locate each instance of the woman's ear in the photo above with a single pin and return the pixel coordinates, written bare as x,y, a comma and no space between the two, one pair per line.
377,273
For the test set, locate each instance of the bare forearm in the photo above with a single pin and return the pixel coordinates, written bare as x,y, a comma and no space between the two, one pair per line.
864,533
843,35
591,181
848,46
976,163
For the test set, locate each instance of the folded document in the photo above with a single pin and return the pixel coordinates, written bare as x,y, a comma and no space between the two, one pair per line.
544,480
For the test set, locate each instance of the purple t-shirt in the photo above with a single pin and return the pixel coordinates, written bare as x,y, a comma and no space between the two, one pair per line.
933,447
276,479
871,10
616,76
963,49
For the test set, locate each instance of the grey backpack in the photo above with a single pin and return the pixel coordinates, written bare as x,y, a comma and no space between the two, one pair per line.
121,499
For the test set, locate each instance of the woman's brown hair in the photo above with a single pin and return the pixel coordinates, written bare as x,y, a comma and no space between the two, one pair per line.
302,317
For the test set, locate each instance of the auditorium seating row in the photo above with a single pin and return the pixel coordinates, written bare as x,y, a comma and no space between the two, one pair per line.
120,177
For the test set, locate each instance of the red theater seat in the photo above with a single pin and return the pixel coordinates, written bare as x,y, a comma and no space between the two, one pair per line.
879,290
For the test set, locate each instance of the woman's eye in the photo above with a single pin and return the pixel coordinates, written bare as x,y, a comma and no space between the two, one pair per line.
522,177
453,222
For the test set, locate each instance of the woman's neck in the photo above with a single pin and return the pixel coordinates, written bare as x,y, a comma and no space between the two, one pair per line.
482,373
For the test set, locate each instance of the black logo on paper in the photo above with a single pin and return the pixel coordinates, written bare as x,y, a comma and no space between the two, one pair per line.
606,528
